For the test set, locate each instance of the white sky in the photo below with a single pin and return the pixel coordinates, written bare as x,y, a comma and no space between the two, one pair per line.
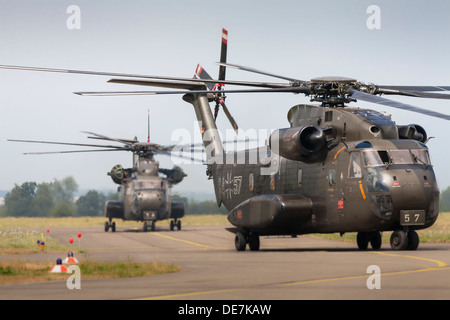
299,39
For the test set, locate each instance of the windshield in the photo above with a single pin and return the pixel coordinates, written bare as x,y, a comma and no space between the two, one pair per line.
141,185
375,158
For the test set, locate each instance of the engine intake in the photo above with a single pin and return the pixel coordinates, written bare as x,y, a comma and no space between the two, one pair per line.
412,131
307,144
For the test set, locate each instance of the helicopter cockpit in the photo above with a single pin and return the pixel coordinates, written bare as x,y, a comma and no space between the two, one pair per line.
386,165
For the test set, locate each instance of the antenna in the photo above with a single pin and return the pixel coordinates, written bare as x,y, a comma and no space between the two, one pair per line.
148,121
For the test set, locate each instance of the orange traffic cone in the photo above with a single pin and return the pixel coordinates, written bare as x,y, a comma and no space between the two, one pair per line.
70,259
59,267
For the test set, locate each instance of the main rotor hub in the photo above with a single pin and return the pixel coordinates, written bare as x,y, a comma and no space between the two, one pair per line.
332,91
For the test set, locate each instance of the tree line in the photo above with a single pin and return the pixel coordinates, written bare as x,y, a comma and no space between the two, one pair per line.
57,199
53,199
444,205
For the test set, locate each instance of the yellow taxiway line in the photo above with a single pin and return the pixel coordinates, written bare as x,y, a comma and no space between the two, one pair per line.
181,240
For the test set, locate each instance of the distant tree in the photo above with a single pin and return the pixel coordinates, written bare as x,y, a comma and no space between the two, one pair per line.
445,200
43,200
64,189
63,210
19,202
91,204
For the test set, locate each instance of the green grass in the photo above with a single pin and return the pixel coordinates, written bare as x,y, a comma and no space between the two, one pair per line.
21,272
19,241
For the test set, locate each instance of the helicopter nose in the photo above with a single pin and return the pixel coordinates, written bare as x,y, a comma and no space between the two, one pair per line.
411,189
415,190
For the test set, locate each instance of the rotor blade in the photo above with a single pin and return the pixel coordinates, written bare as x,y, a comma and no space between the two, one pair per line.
130,75
202,74
191,146
160,83
131,93
223,54
71,151
167,153
416,94
235,66
230,117
195,83
394,104
102,137
65,143
417,88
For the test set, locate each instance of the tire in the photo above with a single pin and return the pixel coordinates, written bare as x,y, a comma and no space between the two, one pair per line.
375,240
362,240
413,240
179,225
106,226
240,242
399,240
253,242
171,225
113,227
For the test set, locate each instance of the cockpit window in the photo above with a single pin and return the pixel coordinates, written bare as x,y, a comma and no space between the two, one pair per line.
421,156
142,185
375,158
401,157
355,166
372,159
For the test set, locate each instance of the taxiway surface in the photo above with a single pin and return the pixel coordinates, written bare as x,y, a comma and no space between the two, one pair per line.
306,267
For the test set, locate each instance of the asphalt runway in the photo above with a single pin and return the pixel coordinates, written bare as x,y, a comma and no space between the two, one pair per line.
306,267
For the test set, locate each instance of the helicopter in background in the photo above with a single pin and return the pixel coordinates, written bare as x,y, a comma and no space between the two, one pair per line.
335,169
144,189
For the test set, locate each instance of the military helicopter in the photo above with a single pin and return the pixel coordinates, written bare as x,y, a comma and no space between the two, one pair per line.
145,189
335,169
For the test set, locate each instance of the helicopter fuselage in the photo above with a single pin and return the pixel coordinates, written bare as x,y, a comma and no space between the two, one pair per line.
353,190
146,198
338,170
144,195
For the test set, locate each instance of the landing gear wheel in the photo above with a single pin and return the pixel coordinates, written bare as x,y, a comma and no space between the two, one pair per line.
375,240
362,239
172,225
253,241
110,225
399,240
240,241
179,225
153,226
145,226
413,240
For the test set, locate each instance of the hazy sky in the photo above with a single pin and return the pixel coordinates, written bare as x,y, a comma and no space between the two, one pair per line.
300,39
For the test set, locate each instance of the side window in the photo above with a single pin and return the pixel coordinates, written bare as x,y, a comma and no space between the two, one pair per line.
332,177
355,165
300,178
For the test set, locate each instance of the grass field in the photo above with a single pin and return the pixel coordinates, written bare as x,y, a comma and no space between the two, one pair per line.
31,271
